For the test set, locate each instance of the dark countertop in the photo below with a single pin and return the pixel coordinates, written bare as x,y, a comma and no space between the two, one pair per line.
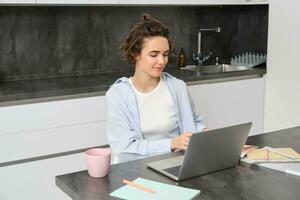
244,181
49,89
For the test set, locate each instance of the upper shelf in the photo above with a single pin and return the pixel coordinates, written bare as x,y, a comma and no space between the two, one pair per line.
134,2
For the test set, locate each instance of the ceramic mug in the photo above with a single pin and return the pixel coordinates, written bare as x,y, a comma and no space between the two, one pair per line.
98,161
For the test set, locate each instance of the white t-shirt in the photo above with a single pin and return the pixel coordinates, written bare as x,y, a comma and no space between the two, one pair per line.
157,117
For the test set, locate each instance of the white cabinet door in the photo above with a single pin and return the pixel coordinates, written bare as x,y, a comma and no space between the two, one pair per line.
237,102
52,141
230,103
39,129
17,1
199,97
249,2
83,2
36,180
154,2
227,2
216,2
55,114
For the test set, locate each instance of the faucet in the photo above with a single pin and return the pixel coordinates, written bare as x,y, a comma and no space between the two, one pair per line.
199,57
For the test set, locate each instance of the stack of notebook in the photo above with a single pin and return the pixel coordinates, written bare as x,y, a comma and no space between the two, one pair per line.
282,159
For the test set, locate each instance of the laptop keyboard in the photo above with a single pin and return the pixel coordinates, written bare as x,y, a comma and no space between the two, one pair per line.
173,170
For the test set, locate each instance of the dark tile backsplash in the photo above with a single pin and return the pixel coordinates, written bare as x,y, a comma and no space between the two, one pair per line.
37,42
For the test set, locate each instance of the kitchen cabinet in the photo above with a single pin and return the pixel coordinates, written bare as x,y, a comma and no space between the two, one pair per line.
227,2
282,108
133,2
36,180
154,2
83,2
39,129
230,103
17,1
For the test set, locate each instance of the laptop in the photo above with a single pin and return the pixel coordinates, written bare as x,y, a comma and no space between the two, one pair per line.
207,152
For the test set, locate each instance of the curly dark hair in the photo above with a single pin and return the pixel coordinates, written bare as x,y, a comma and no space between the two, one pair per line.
147,28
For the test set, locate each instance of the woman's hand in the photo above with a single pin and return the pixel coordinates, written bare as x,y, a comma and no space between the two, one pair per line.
205,129
181,142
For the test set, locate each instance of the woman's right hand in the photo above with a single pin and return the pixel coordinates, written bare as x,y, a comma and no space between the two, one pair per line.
181,142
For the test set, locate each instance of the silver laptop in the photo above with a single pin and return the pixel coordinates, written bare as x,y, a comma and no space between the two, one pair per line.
207,152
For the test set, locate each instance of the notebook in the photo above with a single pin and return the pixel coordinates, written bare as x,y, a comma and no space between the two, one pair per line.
246,149
262,155
162,191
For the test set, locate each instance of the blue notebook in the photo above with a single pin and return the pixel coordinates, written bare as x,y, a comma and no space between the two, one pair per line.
162,191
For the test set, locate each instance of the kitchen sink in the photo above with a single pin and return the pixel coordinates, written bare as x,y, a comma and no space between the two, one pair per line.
216,68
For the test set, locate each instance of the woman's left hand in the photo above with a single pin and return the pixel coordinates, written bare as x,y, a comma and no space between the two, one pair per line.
180,142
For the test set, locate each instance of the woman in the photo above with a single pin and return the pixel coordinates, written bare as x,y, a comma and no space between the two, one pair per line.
151,112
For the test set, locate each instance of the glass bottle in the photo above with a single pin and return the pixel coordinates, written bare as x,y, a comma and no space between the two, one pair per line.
181,59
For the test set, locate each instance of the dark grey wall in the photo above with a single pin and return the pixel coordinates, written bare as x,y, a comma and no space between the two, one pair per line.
51,41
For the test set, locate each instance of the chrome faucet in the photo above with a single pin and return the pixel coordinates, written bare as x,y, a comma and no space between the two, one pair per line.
199,58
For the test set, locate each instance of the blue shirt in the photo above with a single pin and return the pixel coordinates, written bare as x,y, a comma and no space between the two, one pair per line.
123,125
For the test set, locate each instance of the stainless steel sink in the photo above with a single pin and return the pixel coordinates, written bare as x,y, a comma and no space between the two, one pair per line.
216,68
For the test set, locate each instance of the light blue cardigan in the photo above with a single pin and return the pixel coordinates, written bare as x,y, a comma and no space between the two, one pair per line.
123,125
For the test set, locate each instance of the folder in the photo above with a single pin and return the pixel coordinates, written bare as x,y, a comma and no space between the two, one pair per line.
263,155
162,191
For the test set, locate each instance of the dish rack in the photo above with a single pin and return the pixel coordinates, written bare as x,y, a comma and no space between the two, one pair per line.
248,59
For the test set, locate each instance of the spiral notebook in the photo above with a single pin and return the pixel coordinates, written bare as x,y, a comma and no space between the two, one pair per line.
162,191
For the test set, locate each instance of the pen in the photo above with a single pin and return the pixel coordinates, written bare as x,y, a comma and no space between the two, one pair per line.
138,186
280,153
266,154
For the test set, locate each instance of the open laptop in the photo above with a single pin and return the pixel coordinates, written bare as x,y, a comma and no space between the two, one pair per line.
207,152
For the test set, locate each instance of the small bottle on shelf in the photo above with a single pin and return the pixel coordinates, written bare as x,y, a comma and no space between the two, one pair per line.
181,59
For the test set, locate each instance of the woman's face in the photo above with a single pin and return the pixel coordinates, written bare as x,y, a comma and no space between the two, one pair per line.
153,57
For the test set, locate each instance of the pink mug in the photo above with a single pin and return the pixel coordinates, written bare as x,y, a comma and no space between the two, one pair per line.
98,161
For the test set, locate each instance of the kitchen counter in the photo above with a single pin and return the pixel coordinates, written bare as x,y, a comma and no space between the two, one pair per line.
51,89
